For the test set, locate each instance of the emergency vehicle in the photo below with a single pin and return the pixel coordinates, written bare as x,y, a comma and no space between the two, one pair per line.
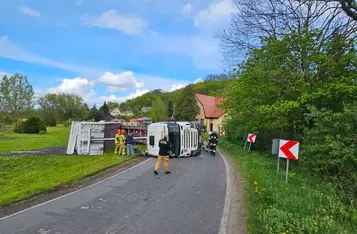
184,137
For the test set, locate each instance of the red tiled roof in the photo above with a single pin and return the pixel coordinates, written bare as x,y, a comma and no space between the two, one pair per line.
209,104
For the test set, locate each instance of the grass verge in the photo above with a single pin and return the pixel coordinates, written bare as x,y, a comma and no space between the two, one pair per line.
301,206
55,136
27,176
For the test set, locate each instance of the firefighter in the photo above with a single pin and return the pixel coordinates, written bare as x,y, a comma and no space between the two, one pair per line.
165,147
213,142
117,140
122,147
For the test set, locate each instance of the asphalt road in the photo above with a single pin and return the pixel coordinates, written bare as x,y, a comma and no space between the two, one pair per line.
190,200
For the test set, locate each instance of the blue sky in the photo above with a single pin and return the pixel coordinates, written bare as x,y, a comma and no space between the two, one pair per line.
111,50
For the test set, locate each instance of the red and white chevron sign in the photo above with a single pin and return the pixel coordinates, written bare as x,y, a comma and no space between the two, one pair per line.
289,149
222,133
251,137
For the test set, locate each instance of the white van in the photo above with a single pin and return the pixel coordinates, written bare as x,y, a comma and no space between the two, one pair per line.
184,137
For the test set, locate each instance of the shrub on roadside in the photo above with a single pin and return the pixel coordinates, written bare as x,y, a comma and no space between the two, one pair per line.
34,125
19,126
67,124
50,120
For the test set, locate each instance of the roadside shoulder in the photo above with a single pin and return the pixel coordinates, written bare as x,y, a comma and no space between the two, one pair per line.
236,221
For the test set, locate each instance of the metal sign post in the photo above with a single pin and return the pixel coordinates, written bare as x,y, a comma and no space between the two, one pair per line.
278,167
245,139
287,171
250,145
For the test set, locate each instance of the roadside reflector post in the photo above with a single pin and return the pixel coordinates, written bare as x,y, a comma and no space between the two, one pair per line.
245,140
275,151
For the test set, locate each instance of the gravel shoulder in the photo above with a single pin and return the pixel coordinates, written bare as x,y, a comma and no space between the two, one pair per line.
236,220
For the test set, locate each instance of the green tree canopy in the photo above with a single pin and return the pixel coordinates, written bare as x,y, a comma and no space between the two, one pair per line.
16,94
186,106
158,110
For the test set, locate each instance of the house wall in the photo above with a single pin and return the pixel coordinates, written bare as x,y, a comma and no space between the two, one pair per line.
217,123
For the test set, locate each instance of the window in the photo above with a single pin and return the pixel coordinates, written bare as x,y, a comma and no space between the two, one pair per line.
211,127
152,140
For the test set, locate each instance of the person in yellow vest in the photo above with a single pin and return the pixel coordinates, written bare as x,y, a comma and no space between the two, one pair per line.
116,141
122,147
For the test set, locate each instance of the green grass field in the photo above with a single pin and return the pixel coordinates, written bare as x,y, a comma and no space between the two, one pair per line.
302,206
55,136
24,177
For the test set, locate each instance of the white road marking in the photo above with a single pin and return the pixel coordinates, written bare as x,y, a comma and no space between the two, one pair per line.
6,217
227,203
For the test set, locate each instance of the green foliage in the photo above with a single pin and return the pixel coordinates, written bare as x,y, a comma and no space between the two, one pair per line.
49,119
304,205
293,89
104,109
95,114
67,124
16,94
158,110
33,125
19,126
186,107
63,107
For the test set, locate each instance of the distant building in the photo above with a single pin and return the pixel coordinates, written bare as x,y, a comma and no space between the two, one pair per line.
127,113
210,114
146,109
115,112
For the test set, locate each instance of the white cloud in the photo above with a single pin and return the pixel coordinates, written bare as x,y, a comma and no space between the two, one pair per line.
214,13
12,51
114,98
28,11
198,80
122,81
187,9
174,87
111,19
78,86
2,73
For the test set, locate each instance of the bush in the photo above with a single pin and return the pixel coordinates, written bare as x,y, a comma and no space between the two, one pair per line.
8,120
67,124
19,126
50,120
34,125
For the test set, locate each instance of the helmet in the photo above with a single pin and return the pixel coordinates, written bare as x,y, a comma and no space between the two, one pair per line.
209,133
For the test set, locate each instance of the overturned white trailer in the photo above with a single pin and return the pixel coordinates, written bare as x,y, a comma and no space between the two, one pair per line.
95,138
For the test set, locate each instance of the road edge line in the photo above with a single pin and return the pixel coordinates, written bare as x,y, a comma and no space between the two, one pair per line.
68,194
227,202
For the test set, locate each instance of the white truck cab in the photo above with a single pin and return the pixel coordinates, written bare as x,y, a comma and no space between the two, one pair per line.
184,137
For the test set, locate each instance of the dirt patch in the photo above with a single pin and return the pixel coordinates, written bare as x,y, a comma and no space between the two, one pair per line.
18,206
236,220
38,152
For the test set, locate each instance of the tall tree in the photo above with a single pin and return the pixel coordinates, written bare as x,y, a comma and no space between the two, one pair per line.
158,110
104,109
67,106
170,109
16,94
186,106
85,111
95,114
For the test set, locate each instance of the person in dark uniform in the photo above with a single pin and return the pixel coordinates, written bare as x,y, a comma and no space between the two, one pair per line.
213,142
165,147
